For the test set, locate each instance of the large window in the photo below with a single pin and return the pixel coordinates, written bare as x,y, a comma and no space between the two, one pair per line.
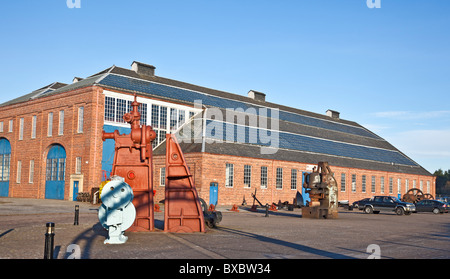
56,169
21,128
279,180
33,127
110,109
263,177
19,171
353,182
31,172
61,123
80,119
162,176
123,106
293,179
382,184
373,184
143,111
391,185
229,175
159,123
78,165
115,108
342,182
163,117
363,183
5,160
50,124
247,176
177,118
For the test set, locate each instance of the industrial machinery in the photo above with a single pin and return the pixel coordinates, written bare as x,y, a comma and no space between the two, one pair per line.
117,212
212,217
133,161
322,189
182,209
414,195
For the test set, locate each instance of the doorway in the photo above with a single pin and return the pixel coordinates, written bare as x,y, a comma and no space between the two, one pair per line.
213,193
5,162
55,173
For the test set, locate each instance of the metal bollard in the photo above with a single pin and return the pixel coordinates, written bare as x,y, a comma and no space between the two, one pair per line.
267,210
49,241
77,213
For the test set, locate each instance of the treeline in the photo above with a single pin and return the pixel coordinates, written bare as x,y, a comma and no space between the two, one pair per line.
442,177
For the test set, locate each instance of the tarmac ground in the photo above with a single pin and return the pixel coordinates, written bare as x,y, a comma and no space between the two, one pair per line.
241,235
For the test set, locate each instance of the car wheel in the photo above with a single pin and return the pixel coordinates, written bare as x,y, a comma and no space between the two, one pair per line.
399,211
436,210
368,210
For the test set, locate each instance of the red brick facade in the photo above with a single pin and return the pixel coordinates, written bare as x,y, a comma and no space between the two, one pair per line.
86,144
205,167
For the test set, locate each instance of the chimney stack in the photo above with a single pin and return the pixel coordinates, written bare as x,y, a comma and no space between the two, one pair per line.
333,114
143,69
257,96
76,79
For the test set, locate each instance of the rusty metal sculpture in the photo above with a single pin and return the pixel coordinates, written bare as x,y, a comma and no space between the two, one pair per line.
414,195
183,211
133,161
322,188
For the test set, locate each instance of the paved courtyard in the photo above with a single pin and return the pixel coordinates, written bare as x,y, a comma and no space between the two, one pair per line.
240,235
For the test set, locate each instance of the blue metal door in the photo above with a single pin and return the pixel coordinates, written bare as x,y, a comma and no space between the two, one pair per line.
213,193
55,173
75,190
5,162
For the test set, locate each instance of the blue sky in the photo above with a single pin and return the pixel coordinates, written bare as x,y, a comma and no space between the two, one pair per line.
387,68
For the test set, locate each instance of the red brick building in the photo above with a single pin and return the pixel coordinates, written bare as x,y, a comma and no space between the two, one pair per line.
51,146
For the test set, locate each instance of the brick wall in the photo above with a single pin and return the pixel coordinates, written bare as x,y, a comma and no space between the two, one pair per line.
211,168
86,145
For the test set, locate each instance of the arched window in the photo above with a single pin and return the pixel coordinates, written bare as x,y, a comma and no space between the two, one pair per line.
5,162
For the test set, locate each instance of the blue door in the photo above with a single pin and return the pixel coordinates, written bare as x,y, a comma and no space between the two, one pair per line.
55,173
213,193
5,162
75,190
304,194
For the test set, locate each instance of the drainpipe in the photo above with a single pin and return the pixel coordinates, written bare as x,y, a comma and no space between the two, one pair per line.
204,128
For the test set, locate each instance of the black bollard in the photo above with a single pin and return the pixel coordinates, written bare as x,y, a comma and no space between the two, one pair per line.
267,210
49,241
77,213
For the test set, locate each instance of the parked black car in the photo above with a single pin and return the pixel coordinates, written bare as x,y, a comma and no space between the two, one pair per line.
361,203
388,203
431,206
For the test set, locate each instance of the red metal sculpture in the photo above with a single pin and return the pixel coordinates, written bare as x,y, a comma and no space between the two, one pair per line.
182,212
133,161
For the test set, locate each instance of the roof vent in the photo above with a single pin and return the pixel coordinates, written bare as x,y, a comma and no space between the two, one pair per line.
333,114
257,96
143,69
76,79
